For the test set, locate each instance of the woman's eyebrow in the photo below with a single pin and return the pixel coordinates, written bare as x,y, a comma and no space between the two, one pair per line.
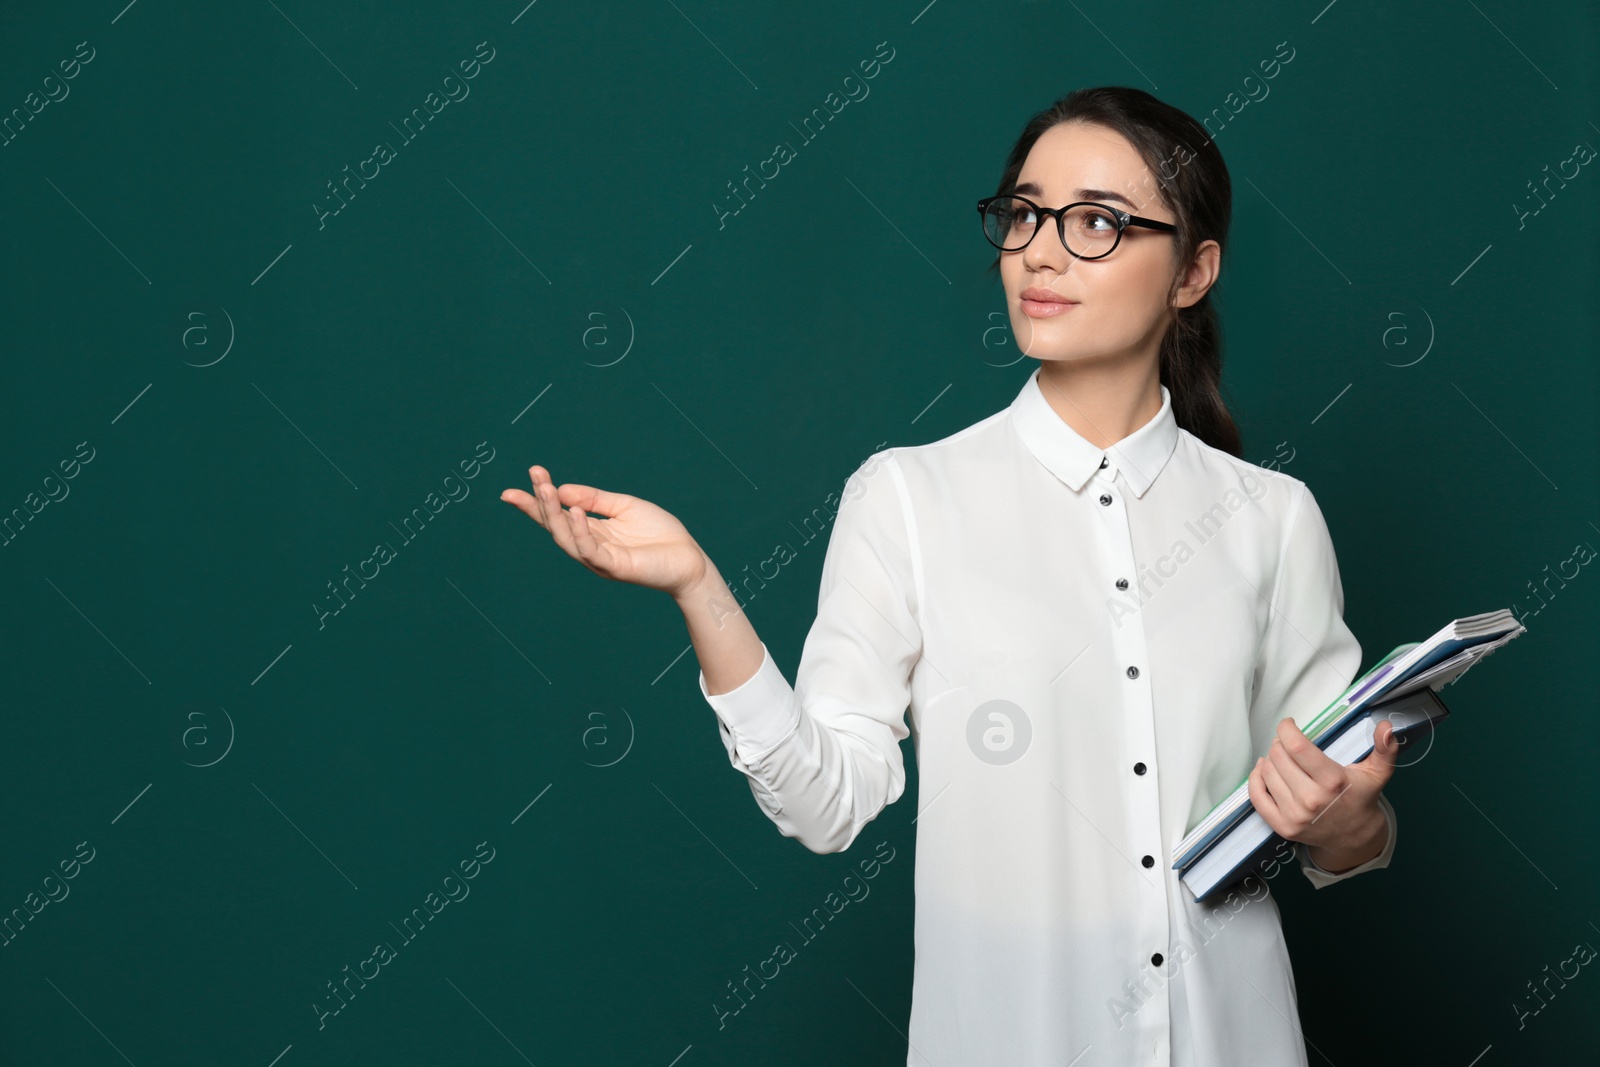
1082,194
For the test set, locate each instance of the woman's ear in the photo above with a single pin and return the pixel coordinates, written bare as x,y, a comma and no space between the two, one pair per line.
1201,274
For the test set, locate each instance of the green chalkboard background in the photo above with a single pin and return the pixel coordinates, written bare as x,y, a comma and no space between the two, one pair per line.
224,384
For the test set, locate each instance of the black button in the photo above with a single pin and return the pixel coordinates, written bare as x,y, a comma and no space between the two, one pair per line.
1149,861
1133,672
1105,498
1138,768
1103,461
1122,583
1156,959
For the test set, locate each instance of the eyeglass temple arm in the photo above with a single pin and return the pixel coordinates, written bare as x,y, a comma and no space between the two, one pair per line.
1153,224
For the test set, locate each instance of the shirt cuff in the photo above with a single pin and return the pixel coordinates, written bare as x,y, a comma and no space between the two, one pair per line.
761,713
1322,878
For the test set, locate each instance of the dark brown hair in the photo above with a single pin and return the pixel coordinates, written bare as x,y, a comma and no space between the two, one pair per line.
1192,181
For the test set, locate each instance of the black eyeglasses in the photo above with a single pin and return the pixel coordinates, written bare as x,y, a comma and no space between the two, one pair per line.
1010,222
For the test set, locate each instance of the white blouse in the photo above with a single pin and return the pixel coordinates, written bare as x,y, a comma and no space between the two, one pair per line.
1094,646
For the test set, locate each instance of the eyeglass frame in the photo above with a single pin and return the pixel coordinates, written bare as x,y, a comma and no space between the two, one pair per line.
1123,220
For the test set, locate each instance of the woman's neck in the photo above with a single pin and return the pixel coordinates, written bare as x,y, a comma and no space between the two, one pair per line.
1103,404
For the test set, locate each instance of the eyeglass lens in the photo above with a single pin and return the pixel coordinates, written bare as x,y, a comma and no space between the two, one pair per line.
1010,223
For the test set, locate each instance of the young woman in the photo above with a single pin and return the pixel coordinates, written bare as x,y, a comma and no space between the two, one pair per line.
1098,616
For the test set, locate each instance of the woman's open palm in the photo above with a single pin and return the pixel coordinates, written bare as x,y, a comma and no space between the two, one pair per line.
636,542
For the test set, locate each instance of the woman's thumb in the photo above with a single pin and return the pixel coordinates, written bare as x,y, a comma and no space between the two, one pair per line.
589,498
1385,749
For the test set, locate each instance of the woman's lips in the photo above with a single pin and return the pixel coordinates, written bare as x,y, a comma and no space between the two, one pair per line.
1044,309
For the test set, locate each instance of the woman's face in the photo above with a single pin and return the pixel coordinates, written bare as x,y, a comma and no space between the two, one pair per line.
1118,303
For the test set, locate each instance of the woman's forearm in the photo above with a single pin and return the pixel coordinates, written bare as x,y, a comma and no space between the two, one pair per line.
724,641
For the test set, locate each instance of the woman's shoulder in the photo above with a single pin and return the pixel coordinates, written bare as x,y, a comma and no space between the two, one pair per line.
958,450
1230,468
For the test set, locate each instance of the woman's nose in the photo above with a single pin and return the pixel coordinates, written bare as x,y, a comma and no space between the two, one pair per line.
1046,249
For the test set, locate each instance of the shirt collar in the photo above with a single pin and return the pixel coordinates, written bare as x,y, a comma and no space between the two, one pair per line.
1140,456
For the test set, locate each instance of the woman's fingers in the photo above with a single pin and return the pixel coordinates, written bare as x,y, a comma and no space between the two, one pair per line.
544,491
523,503
531,504
560,523
540,478
569,526
1285,800
588,550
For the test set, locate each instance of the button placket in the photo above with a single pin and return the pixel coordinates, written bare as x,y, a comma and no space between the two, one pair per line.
1129,646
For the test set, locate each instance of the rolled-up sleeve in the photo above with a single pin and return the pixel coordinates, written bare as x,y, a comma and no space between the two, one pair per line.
1308,656
823,757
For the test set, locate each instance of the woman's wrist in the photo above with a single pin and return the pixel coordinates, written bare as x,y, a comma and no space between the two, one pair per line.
708,582
725,643
1337,860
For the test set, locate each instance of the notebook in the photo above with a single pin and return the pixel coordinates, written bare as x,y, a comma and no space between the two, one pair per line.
1408,669
1251,843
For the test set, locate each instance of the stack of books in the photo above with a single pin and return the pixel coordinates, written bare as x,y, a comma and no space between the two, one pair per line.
1401,688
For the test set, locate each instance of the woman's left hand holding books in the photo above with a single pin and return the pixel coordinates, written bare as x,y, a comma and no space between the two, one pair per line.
1307,796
